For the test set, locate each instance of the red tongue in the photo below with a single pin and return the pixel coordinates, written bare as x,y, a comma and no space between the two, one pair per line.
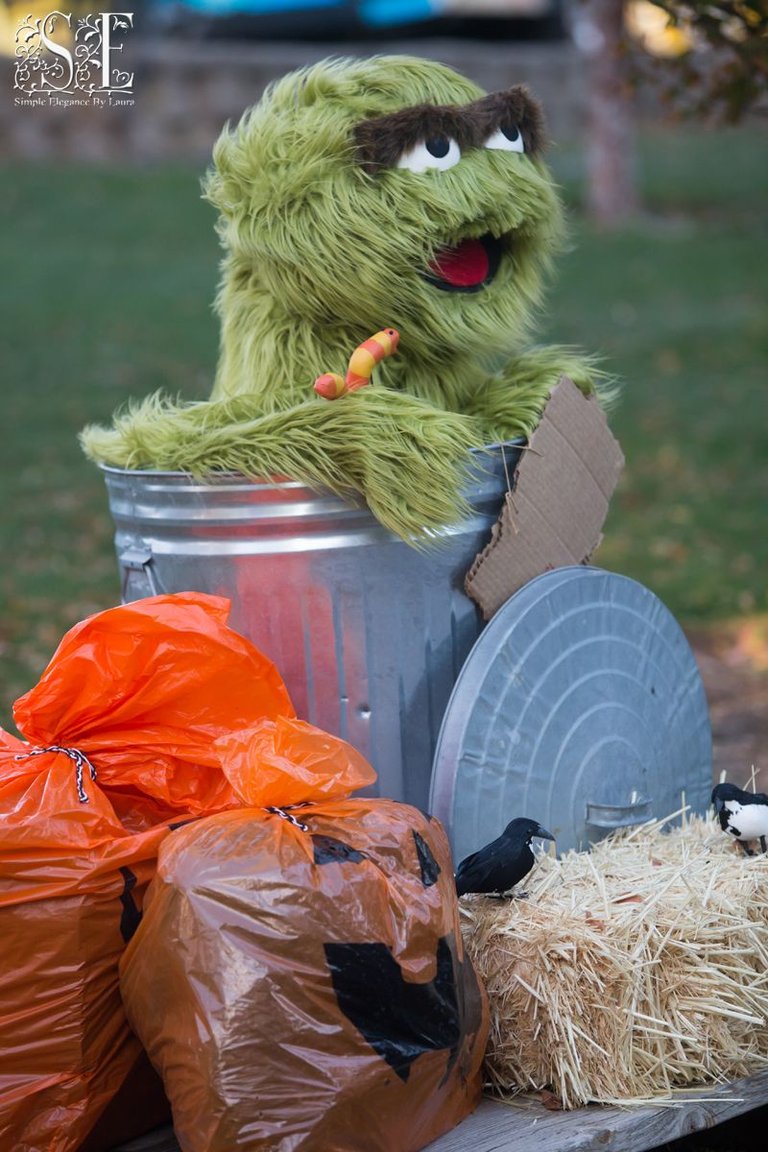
464,266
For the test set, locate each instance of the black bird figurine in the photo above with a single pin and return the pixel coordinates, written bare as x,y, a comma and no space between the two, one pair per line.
743,815
502,863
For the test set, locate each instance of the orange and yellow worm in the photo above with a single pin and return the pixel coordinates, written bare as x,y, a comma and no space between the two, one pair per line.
361,365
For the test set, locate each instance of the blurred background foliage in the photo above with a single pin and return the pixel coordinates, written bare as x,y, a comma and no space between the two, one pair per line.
719,47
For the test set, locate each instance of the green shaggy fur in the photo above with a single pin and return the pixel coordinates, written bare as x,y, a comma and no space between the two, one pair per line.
320,254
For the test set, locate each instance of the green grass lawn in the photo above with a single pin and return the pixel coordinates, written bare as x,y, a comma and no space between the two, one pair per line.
678,305
107,289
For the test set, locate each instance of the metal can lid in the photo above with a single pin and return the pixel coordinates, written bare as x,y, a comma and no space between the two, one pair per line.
580,700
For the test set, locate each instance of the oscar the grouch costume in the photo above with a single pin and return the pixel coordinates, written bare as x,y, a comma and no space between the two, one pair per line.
358,194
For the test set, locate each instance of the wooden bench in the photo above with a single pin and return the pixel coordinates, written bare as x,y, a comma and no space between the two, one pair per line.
527,1126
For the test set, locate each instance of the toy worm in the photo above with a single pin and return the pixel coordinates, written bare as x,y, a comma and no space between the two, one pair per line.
361,365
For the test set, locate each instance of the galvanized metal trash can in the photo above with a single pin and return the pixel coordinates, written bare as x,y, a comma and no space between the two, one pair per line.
368,633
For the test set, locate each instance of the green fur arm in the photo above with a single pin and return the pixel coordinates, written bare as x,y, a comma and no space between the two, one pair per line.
510,404
406,458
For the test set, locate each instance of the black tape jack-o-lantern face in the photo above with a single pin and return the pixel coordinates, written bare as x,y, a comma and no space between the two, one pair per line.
400,1019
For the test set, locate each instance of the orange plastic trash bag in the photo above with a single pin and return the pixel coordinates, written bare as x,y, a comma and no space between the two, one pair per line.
299,979
144,689
122,726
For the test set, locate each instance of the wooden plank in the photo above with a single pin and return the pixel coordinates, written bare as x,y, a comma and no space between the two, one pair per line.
528,1126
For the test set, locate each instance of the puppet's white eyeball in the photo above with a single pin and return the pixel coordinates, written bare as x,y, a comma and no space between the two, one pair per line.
436,152
506,138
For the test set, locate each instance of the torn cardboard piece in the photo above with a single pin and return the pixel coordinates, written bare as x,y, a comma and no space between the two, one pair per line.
559,500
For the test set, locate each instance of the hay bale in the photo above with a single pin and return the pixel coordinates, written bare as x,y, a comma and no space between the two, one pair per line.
630,970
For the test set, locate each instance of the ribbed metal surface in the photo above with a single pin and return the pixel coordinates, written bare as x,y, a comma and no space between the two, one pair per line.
368,633
580,706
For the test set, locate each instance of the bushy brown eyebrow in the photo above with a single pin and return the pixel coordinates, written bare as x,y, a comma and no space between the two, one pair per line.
514,107
382,140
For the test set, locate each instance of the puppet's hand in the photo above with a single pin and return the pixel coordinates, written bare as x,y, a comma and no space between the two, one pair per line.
509,405
405,457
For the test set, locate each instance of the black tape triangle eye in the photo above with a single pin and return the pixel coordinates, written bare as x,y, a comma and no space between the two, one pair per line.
329,850
506,138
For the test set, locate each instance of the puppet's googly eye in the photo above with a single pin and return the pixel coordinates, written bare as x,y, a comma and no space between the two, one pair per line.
436,152
506,138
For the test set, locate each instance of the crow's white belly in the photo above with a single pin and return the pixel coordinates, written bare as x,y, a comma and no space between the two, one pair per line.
751,820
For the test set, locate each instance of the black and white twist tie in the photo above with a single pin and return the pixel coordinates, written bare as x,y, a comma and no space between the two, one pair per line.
76,756
285,814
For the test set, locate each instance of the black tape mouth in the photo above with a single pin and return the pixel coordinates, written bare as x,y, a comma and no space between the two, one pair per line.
468,266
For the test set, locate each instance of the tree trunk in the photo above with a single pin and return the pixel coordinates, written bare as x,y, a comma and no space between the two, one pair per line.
611,192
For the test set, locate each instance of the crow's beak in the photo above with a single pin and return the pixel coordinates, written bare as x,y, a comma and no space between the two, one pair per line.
542,834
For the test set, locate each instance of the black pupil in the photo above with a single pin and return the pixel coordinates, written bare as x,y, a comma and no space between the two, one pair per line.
511,131
438,146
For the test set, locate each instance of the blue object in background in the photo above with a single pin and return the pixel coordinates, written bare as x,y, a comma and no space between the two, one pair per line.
255,7
383,13
340,21
372,13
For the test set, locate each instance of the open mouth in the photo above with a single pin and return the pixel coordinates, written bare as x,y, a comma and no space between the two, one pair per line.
468,267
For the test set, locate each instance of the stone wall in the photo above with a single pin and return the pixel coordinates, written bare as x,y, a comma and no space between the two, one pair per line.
184,91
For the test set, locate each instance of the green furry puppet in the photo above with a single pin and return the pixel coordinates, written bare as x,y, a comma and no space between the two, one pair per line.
359,194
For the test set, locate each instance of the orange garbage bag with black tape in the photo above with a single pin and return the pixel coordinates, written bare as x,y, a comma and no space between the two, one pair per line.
121,731
299,979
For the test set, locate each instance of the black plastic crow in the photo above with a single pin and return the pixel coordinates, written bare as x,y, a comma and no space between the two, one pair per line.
502,863
743,815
